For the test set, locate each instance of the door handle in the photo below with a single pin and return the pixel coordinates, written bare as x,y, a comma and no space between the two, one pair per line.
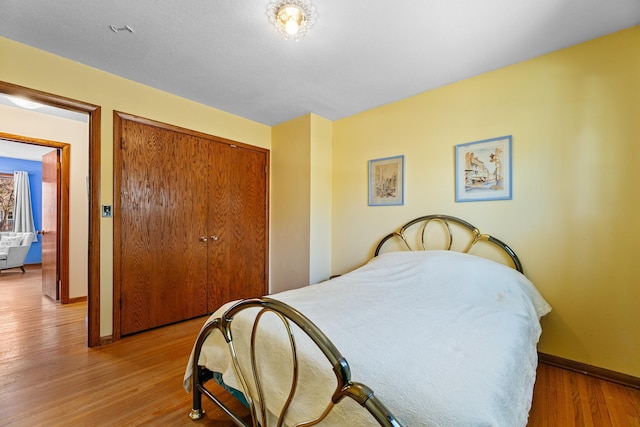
203,238
214,237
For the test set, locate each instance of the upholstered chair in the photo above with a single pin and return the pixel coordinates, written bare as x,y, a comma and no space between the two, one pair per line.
13,249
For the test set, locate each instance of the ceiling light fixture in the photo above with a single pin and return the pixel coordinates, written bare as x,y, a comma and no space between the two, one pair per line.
24,103
292,18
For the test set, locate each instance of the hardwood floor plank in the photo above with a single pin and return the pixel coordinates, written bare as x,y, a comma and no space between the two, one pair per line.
540,411
598,404
626,411
583,398
48,375
566,399
571,410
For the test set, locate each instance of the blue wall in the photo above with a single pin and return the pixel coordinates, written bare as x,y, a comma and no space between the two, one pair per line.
35,183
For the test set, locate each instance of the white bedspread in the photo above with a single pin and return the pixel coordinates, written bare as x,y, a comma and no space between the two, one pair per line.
443,339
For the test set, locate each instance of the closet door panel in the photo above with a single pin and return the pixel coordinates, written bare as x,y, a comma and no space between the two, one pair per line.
247,204
238,224
220,225
163,213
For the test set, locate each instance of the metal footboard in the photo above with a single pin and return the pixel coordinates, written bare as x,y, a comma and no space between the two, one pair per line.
252,383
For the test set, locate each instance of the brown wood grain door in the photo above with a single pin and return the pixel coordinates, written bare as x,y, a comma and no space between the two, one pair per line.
237,224
50,240
163,220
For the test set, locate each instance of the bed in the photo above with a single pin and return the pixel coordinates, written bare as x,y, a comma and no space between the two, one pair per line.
432,331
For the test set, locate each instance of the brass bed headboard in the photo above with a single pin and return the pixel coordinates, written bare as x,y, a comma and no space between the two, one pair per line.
446,220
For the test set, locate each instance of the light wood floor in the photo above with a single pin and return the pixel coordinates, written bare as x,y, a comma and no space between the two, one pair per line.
49,377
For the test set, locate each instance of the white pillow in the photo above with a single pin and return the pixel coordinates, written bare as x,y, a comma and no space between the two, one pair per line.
11,241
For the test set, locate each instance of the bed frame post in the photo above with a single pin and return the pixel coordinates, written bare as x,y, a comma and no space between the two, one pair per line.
196,409
200,375
197,380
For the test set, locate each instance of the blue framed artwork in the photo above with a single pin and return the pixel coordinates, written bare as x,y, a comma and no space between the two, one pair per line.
386,181
483,170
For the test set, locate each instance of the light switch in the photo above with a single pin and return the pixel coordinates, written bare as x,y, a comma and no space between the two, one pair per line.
107,212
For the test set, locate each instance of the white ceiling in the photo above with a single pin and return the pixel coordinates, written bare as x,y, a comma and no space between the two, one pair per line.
359,55
15,150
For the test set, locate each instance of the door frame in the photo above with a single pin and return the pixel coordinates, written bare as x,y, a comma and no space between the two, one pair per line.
94,112
62,211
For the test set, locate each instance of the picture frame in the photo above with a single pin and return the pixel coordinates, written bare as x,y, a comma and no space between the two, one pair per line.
483,170
386,181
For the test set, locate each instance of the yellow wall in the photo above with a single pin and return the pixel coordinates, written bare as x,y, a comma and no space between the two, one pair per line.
320,200
301,202
575,120
46,72
34,124
290,204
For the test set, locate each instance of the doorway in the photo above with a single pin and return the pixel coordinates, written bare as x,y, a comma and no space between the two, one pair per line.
93,186
54,229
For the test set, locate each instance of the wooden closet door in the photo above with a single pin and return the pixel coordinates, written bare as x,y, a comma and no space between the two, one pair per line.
238,224
163,214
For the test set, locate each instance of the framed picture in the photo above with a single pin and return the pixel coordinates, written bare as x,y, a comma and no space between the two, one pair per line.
386,181
483,170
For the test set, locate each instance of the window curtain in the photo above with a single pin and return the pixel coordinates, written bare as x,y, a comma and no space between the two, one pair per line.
23,212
